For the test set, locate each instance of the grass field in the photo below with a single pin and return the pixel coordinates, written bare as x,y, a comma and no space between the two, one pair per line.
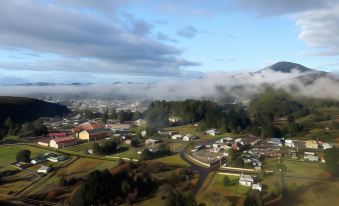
8,153
231,193
173,159
78,168
298,168
16,183
191,129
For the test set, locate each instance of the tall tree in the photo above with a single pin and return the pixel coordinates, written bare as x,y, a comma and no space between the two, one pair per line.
8,126
23,156
104,117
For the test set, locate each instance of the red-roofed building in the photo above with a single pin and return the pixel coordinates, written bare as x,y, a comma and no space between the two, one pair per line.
90,126
57,134
62,142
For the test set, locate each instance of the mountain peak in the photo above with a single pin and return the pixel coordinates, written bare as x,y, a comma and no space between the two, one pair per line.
287,67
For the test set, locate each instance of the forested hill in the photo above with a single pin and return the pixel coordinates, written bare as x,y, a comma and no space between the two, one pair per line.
22,109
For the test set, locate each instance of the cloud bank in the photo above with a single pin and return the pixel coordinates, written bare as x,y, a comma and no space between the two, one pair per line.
214,86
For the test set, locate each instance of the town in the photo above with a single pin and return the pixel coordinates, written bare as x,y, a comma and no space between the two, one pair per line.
221,163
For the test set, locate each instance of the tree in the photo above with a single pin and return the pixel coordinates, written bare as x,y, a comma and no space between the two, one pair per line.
254,198
8,126
96,147
137,115
331,161
239,162
89,114
176,198
23,156
135,142
104,117
226,181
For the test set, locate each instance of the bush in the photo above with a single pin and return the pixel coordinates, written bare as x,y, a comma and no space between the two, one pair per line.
226,181
23,156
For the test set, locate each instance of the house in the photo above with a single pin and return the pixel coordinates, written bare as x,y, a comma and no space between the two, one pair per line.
246,180
188,137
140,122
175,119
62,142
251,140
119,127
90,126
38,160
94,134
257,186
56,158
326,146
151,141
237,146
44,169
289,143
275,142
128,141
212,132
311,158
57,134
311,144
153,150
197,148
176,136
44,141
143,133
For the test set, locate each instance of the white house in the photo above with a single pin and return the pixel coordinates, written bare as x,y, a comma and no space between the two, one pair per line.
246,180
212,132
175,119
44,169
188,137
257,186
143,133
56,159
38,160
327,146
289,143
151,141
176,136
311,158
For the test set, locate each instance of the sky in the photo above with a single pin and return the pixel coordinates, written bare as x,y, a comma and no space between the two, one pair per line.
105,41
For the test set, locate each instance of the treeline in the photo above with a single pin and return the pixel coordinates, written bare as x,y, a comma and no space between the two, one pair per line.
210,114
106,188
28,129
122,115
273,105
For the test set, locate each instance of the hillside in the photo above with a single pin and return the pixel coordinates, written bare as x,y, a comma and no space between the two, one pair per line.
22,109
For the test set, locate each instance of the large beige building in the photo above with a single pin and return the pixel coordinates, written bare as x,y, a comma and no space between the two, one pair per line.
94,134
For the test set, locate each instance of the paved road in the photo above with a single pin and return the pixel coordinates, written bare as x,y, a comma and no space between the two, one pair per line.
203,172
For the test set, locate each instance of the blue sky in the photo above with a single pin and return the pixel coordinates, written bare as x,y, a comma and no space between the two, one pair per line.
145,41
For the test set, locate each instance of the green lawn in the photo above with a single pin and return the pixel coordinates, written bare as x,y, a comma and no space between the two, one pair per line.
78,168
307,169
232,192
173,159
191,129
8,153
